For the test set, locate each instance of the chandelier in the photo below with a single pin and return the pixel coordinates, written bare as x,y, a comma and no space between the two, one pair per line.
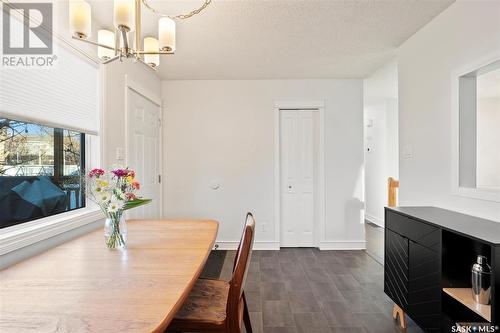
125,40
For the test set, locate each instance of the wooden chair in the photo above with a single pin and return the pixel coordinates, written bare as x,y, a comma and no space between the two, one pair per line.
216,305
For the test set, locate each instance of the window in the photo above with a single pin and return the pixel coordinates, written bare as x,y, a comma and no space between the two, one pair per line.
40,170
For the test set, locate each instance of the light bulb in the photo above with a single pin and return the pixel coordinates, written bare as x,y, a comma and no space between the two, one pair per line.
105,37
166,34
124,14
80,18
151,45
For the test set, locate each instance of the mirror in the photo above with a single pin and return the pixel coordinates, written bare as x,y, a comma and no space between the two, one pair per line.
479,128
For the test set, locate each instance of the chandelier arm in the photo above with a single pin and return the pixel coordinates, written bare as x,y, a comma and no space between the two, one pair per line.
180,16
159,52
94,43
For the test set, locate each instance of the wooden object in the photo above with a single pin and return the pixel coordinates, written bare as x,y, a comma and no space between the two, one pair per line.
81,286
397,312
219,306
464,296
392,186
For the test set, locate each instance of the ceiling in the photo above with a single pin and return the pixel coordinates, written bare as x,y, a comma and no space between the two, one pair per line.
283,39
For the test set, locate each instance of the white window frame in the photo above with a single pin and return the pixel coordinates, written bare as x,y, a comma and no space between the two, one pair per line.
456,189
25,234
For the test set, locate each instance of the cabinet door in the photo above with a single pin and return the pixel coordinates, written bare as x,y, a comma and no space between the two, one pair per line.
396,268
424,287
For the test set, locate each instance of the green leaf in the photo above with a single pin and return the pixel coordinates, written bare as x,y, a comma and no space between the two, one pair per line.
136,203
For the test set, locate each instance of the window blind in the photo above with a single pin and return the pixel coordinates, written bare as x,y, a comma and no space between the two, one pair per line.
64,95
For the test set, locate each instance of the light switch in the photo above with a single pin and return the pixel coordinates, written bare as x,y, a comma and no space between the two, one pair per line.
407,152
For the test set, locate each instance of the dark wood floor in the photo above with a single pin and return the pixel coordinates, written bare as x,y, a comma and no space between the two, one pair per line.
307,290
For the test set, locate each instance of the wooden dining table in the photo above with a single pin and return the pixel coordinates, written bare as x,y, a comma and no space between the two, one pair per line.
81,286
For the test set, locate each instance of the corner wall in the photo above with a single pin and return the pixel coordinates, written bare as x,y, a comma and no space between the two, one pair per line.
223,132
381,138
462,34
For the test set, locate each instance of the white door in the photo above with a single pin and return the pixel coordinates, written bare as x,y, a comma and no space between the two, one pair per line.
143,151
298,162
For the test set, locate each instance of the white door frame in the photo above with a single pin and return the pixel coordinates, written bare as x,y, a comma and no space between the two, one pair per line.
144,92
319,106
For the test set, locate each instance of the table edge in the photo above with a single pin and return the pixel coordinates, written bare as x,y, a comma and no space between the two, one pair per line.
170,316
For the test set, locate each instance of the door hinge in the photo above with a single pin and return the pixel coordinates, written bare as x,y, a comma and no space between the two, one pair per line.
159,178
159,122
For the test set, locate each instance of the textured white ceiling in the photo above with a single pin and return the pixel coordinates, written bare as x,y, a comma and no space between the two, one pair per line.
276,39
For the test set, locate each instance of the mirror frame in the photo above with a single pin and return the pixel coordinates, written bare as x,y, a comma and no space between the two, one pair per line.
469,192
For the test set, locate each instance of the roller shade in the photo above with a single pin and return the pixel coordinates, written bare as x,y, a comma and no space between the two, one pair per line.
64,95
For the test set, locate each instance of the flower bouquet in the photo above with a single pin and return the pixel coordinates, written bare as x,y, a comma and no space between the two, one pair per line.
114,193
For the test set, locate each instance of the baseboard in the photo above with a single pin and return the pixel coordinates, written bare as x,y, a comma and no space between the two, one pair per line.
257,245
274,246
342,245
374,220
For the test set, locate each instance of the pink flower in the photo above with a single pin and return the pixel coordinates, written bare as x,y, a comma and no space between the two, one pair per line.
131,196
136,185
96,172
131,173
120,172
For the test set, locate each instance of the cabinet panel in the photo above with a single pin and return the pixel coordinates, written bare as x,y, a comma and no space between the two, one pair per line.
422,233
396,268
424,287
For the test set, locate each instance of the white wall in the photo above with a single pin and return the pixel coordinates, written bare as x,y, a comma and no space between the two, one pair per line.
381,138
223,131
425,65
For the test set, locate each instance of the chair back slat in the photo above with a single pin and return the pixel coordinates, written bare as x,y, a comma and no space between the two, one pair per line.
240,270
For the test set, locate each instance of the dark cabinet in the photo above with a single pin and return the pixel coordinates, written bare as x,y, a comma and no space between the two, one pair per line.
412,269
424,287
429,252
396,268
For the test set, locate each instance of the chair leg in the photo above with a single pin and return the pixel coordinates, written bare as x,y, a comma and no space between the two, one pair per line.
246,315
398,312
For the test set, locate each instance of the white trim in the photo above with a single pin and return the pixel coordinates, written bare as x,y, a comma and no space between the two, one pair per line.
318,106
342,245
142,90
257,245
25,234
374,220
475,193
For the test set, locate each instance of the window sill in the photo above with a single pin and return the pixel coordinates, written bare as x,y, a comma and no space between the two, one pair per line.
22,235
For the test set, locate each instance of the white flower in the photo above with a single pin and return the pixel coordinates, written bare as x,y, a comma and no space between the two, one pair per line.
115,205
112,208
104,197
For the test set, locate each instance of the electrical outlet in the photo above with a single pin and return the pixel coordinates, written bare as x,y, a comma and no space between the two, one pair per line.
263,227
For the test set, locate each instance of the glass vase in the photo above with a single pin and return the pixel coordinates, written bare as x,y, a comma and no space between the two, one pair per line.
115,231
